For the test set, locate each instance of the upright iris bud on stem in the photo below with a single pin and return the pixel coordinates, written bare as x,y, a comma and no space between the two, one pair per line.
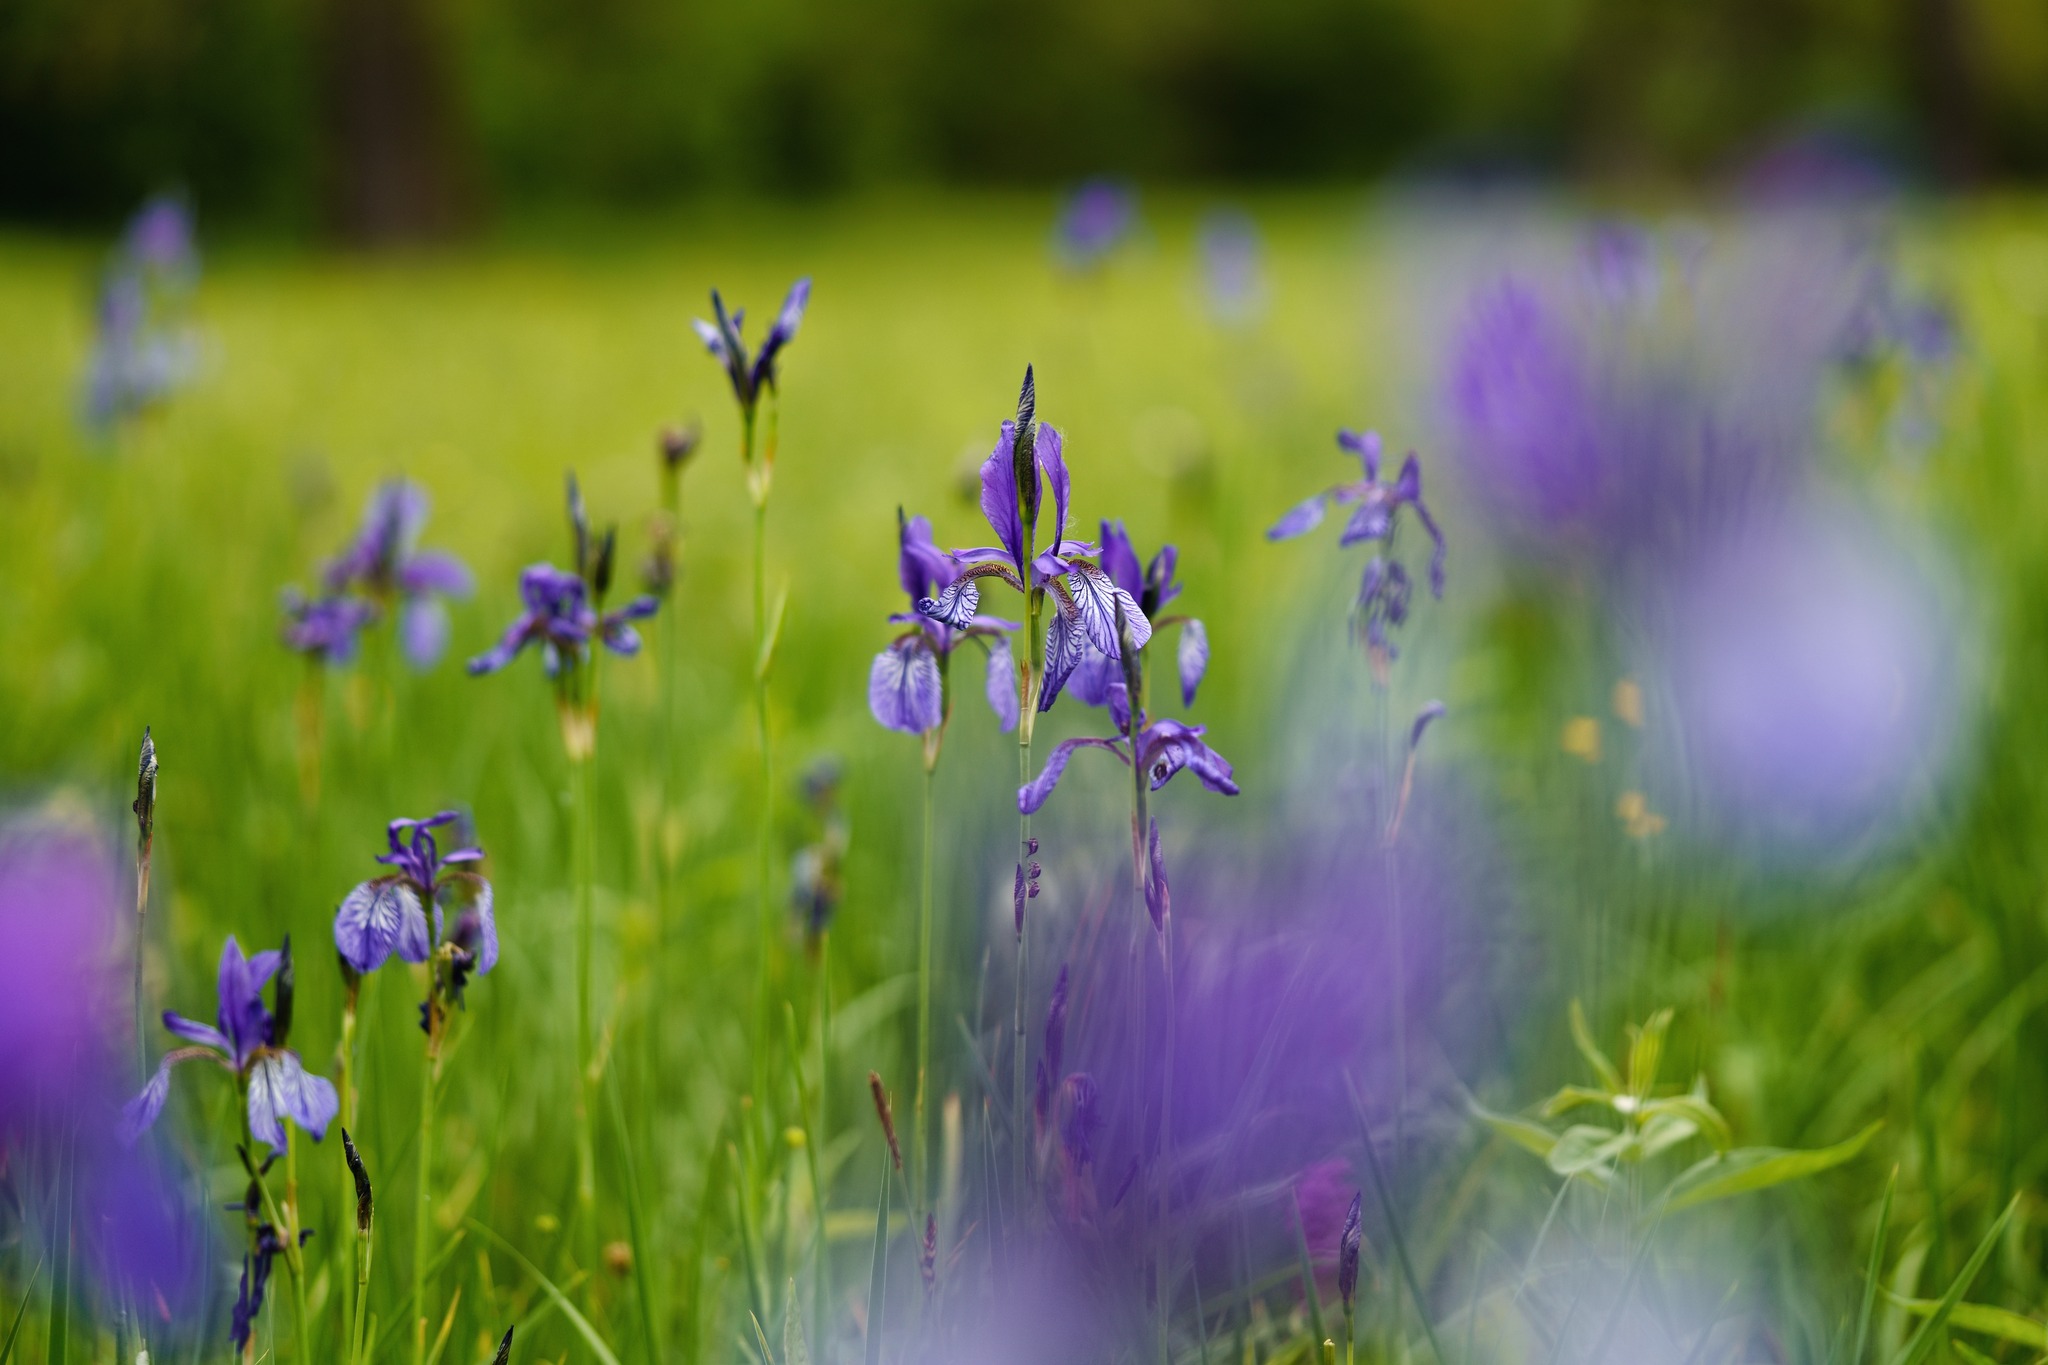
887,1117
364,1211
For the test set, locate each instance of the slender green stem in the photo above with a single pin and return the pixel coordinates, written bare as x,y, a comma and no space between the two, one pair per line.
362,1293
764,908
1020,1132
920,1175
295,1257
582,837
423,1213
345,1121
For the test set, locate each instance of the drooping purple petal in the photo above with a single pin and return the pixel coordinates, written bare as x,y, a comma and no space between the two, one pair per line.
1052,459
515,638
999,496
1301,519
140,1114
1159,587
1366,446
1193,658
1065,646
377,917
192,1031
1097,604
436,571
619,636
1370,521
469,901
423,631
1437,549
281,1088
1170,746
1094,676
955,605
1119,560
1034,793
1158,899
905,692
1431,711
1001,684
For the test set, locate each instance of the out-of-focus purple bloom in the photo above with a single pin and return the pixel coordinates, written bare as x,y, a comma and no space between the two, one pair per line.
1818,169
722,338
144,1232
559,618
60,901
1816,669
387,914
1384,591
1164,748
1097,219
249,1041
385,563
140,355
160,238
907,683
1622,263
1052,1059
1233,267
325,628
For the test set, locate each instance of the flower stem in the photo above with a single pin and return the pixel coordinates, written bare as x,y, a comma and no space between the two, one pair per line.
918,1157
764,910
424,1211
344,1078
295,1259
581,836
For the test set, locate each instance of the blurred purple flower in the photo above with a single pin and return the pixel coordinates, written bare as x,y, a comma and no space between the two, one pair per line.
325,628
143,1230
559,618
1384,591
60,908
160,238
140,356
722,339
387,914
1816,669
249,1041
385,563
1097,219
1233,266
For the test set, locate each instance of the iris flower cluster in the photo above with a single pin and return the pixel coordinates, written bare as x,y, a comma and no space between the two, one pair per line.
142,352
1384,591
387,914
564,614
752,375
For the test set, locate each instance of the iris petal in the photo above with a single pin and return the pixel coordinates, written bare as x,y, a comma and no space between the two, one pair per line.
1034,793
1001,684
905,692
280,1088
1193,658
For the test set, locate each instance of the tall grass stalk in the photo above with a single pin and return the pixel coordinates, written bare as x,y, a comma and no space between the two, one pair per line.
920,1174
423,1210
581,838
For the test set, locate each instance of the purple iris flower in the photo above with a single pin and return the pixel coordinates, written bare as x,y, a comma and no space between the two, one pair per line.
1384,592
722,339
325,628
1164,748
1152,587
1026,461
388,914
385,562
1097,220
559,618
249,1041
907,683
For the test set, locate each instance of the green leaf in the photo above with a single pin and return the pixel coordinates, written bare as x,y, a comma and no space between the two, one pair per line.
771,634
576,1319
1575,1097
1585,1149
1646,1052
1590,1050
1694,1107
1661,1132
1749,1169
1530,1137
793,1349
1983,1319
1922,1342
1970,1356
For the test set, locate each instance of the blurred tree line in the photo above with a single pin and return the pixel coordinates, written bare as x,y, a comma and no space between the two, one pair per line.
391,119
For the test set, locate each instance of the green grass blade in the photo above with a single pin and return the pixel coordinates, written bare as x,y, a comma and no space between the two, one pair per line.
1923,1342
642,1287
27,1294
1379,1185
1308,1270
878,1271
1985,1320
576,1319
1876,1269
